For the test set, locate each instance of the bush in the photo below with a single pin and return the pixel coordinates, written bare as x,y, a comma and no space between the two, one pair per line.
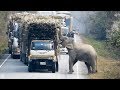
101,23
115,39
3,29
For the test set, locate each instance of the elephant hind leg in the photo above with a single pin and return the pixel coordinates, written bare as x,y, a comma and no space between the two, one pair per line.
74,61
88,67
94,69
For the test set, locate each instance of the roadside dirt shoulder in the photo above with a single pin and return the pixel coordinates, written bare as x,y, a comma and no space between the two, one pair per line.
107,69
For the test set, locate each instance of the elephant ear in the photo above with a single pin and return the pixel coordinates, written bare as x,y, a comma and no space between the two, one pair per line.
62,38
70,46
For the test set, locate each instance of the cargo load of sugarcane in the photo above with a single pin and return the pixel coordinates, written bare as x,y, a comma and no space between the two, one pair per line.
42,27
34,18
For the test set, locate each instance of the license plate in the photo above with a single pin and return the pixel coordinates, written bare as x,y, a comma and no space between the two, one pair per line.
42,63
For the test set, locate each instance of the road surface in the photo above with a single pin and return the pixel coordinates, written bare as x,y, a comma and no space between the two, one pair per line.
15,69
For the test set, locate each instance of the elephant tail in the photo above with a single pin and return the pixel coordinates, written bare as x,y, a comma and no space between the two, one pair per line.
96,63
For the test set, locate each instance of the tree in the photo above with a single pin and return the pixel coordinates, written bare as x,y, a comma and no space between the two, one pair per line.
101,23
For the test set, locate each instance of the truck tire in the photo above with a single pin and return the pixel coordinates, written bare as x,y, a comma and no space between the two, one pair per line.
10,52
53,67
14,56
26,59
21,58
56,66
30,69
26,63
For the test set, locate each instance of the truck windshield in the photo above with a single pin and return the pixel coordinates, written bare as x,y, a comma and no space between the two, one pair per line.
42,46
67,21
65,31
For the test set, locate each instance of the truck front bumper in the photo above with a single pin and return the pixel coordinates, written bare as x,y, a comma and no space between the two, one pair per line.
41,63
16,55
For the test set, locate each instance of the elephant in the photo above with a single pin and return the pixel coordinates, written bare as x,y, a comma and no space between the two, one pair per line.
81,52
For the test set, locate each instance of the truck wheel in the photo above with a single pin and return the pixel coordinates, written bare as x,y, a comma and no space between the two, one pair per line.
26,61
13,56
53,67
21,58
30,68
10,52
56,66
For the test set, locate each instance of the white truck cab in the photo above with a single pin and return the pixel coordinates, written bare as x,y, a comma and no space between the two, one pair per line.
42,54
42,49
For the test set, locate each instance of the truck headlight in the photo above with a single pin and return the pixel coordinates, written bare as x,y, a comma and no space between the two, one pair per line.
17,50
51,57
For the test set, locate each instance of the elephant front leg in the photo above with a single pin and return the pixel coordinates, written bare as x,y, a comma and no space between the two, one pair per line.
70,66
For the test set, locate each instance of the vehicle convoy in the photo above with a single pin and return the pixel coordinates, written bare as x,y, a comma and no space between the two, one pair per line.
38,37
14,31
35,38
13,38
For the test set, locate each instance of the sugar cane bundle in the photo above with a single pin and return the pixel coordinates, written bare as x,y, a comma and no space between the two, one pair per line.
29,16
41,20
42,30
39,26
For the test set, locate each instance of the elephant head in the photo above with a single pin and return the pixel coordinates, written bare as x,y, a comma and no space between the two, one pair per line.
66,42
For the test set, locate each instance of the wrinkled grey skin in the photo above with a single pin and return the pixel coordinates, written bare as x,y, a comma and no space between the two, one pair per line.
81,52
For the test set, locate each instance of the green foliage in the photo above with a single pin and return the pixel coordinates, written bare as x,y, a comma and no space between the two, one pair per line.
103,49
3,40
114,35
100,46
101,23
113,44
115,39
3,19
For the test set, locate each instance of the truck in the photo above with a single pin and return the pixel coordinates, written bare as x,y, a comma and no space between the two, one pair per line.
13,39
39,37
13,33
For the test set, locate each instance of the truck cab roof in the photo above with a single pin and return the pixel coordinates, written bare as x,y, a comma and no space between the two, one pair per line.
41,40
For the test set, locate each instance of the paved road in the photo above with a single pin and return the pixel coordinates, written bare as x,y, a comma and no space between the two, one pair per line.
15,69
